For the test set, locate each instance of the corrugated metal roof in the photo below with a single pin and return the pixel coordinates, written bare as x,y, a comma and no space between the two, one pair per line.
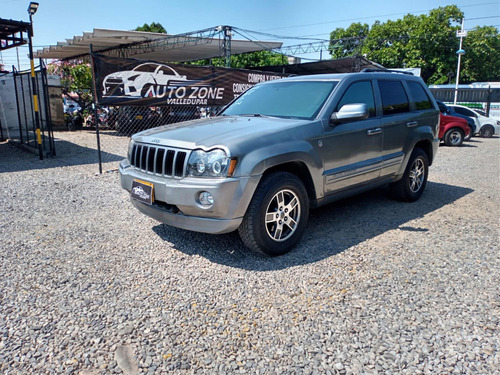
152,46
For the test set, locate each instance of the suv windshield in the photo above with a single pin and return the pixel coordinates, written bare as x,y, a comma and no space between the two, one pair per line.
297,99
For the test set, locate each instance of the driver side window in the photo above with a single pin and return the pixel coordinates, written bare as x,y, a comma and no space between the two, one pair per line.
359,92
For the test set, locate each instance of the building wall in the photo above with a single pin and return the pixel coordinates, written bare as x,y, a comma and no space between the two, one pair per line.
9,111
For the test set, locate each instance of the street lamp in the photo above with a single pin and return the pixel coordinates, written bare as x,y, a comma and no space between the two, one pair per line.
33,7
461,34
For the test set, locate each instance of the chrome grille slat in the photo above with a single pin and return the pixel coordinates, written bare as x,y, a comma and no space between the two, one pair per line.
159,160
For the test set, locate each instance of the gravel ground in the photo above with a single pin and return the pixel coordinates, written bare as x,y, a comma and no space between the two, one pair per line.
91,286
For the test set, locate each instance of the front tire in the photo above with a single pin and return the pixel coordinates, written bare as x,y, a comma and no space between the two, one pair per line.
454,137
277,215
487,131
412,184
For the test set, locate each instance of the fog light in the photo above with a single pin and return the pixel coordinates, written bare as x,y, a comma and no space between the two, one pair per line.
206,199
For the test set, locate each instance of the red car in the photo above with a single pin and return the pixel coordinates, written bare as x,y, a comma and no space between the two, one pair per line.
452,130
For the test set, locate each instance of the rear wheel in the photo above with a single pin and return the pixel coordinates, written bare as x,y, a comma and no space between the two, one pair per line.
412,184
277,215
454,137
487,131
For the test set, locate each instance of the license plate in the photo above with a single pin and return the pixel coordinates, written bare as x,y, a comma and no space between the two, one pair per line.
138,117
143,191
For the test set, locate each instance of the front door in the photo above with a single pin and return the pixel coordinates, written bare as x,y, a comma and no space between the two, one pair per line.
352,151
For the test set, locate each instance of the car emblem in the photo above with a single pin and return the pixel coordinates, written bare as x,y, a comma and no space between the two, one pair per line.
155,140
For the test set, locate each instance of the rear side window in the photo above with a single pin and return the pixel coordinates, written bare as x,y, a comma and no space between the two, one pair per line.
464,111
394,98
422,101
359,92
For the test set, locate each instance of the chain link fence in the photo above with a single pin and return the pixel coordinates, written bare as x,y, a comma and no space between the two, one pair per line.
117,124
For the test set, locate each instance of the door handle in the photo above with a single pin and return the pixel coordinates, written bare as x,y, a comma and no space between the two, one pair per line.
411,124
374,131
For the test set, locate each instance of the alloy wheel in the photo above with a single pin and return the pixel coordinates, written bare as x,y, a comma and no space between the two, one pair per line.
282,215
417,175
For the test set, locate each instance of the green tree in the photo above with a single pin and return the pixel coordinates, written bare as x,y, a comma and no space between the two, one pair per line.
428,42
259,58
247,60
153,27
425,41
348,42
76,78
481,61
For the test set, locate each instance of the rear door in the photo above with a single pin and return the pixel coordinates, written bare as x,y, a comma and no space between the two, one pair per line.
396,122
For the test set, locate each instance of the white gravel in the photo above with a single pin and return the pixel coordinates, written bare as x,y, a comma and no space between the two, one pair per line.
91,286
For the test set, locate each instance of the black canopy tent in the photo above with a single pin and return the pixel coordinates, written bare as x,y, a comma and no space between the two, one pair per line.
345,65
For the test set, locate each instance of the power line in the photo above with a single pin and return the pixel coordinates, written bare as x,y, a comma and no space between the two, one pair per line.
481,18
371,17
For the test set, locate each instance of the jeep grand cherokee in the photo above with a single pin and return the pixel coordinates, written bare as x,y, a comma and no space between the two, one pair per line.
281,148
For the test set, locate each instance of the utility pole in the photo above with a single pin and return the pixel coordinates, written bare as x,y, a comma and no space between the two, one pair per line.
33,7
461,34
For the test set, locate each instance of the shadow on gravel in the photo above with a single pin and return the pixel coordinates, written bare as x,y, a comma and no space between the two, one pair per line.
13,158
467,145
331,229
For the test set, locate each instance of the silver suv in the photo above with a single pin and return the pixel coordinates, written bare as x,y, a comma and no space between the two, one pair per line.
282,148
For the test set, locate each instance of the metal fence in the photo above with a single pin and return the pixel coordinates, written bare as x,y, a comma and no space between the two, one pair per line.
117,124
481,98
25,133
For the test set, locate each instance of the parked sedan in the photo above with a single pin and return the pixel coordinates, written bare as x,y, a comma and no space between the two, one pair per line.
487,126
453,130
445,110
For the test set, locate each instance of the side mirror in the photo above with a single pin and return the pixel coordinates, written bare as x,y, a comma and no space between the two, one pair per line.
350,112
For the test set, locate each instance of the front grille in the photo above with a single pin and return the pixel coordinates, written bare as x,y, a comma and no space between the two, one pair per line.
159,160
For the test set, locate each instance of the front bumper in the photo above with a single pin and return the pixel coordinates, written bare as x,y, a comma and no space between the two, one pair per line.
176,200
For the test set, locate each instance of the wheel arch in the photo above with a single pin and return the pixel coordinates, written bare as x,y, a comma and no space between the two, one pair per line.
426,146
300,170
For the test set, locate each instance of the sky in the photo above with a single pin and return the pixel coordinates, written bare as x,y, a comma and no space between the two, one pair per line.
281,20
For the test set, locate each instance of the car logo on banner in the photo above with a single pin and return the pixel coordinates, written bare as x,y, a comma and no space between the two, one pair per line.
140,82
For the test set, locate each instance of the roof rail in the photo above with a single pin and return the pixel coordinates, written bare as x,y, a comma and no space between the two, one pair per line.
371,70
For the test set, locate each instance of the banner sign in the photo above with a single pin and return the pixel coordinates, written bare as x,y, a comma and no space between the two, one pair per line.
149,83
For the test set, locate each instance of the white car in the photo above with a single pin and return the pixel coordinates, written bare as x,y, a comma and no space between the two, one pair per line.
488,126
139,81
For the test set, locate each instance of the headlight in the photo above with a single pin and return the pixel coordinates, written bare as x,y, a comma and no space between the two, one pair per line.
214,163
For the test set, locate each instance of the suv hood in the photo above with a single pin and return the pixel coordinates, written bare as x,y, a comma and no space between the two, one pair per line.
209,133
